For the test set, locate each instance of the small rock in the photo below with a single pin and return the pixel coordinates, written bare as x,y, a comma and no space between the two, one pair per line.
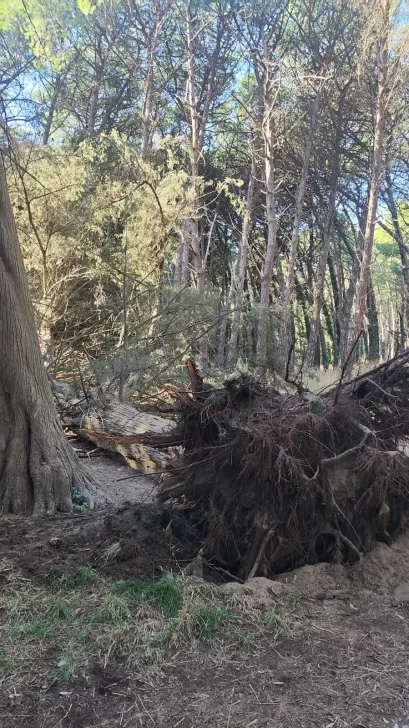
56,542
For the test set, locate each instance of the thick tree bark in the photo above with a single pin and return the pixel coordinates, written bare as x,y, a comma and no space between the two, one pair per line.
38,467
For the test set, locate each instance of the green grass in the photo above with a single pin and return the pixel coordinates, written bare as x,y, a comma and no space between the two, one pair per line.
62,672
84,576
272,620
207,620
59,609
80,619
112,610
166,593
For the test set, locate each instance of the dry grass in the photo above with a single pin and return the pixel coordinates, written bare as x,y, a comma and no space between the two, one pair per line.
318,380
82,620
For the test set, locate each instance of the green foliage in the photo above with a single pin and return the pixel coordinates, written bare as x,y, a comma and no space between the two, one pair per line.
104,189
88,6
80,501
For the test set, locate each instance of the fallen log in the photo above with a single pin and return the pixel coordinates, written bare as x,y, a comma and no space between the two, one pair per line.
146,442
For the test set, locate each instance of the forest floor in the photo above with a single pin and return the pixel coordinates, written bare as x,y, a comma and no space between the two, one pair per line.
88,638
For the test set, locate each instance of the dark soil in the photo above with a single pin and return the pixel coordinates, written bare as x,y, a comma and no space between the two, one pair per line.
126,543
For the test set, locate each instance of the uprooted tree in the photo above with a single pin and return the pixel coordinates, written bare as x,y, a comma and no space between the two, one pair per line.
38,467
266,480
279,480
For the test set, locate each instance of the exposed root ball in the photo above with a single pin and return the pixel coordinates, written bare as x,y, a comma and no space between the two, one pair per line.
281,480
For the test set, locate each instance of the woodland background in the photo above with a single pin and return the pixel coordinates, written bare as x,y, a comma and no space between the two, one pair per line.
225,180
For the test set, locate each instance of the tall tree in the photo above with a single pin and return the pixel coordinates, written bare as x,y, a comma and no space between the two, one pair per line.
38,467
326,238
381,19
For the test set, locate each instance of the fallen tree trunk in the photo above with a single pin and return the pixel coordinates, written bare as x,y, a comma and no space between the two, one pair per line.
142,439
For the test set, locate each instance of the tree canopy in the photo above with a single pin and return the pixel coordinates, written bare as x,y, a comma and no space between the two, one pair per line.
223,179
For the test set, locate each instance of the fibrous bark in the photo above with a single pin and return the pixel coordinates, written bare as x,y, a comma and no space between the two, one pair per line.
38,467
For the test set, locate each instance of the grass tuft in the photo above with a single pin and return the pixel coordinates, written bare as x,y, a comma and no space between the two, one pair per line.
207,620
166,593
272,620
64,671
59,609
113,610
83,576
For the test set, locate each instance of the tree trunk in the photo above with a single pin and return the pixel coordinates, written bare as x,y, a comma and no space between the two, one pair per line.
345,314
221,346
271,251
285,336
195,152
322,265
403,252
148,97
377,166
138,437
93,104
336,295
51,110
242,268
181,276
38,467
373,323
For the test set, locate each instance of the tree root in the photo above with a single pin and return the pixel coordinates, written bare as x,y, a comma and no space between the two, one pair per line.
261,552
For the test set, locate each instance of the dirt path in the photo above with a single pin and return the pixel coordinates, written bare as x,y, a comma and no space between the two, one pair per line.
120,483
117,481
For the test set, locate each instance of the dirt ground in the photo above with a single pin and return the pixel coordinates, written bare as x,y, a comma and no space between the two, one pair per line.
342,663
